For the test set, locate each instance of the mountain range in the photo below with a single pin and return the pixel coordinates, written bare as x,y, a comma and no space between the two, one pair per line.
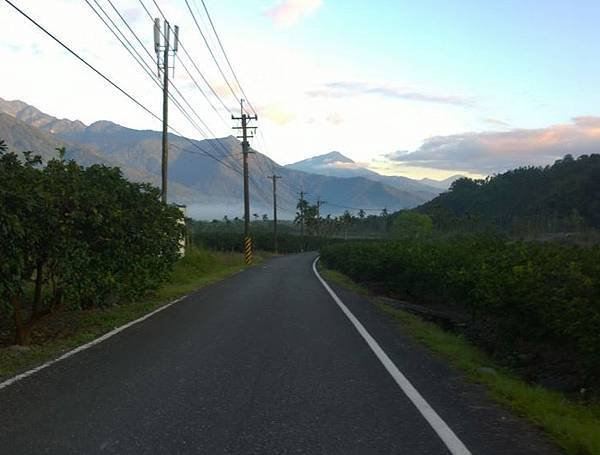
211,186
335,164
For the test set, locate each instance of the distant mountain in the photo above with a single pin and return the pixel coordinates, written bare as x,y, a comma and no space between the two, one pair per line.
209,188
36,118
442,184
564,197
339,165
331,164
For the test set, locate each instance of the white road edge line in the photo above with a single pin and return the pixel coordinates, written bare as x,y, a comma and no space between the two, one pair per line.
83,347
454,445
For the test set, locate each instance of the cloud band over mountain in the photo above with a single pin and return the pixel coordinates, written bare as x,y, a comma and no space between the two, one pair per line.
491,152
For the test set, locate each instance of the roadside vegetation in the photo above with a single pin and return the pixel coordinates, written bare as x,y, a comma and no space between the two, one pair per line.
533,306
572,424
83,251
227,234
76,237
73,327
501,272
287,243
559,201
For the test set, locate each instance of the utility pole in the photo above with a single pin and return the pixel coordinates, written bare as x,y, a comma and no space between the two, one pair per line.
274,178
245,151
165,48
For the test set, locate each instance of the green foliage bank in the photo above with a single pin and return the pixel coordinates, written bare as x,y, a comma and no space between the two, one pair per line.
538,302
77,237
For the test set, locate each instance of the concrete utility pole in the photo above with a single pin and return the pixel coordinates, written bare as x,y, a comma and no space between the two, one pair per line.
165,48
245,151
274,178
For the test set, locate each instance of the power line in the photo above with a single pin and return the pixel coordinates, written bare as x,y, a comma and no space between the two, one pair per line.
183,48
131,30
107,79
210,50
272,170
148,70
116,86
227,58
81,59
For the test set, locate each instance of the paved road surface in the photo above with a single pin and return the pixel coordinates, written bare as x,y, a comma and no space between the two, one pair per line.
261,363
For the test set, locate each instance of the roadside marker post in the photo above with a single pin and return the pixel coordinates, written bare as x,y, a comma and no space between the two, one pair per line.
248,250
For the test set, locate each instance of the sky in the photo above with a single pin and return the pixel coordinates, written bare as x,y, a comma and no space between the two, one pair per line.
421,89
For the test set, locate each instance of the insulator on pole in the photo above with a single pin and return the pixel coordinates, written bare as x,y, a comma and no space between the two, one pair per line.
156,35
167,34
176,39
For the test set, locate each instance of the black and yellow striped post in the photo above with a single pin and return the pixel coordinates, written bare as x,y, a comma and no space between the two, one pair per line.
248,250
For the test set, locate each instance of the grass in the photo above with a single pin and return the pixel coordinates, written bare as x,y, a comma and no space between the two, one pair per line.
73,328
340,278
575,427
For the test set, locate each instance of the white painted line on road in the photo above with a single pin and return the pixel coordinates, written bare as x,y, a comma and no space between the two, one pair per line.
454,445
83,347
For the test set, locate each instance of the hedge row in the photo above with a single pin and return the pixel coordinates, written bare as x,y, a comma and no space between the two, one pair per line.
287,243
542,294
77,236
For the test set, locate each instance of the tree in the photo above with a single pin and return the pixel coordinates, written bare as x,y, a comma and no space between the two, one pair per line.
84,236
312,219
301,208
346,220
411,224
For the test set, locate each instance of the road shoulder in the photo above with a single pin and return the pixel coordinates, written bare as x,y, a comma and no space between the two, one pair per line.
72,331
466,403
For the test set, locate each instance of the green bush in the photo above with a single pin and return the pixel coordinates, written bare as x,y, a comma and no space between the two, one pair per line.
287,243
521,293
78,236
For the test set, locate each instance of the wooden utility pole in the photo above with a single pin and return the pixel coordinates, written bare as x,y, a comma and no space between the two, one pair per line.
245,151
274,178
165,46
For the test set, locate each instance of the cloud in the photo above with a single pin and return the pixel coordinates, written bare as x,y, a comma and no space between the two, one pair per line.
289,12
357,88
335,118
276,113
492,152
132,14
495,122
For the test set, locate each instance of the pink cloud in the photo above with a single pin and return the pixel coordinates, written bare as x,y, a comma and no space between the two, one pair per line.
491,152
288,12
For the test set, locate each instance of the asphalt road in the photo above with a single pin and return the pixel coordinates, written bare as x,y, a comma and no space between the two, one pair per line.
264,362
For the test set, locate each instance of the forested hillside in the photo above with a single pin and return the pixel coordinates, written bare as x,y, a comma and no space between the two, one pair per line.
563,197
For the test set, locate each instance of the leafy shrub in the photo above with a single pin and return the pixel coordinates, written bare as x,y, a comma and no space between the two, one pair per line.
78,236
522,293
287,243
